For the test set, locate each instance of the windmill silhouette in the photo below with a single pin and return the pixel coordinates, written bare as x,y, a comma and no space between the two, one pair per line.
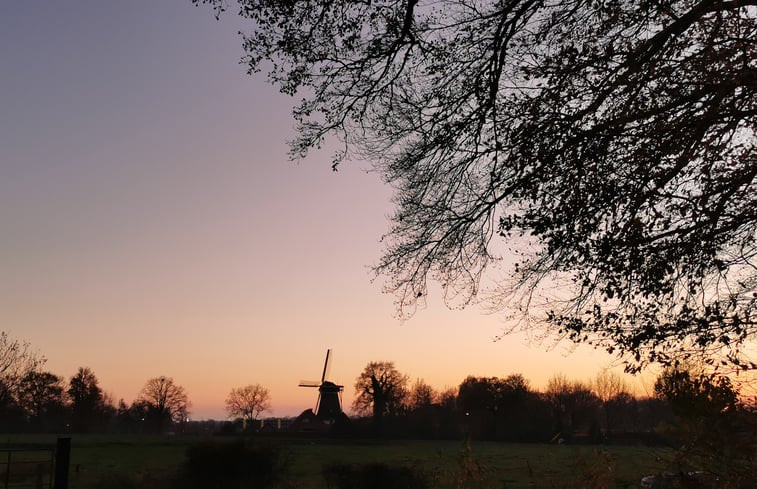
329,405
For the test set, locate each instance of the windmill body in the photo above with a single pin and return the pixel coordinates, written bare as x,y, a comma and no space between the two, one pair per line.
329,405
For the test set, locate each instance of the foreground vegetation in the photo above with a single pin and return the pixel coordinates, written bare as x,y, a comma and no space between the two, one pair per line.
99,461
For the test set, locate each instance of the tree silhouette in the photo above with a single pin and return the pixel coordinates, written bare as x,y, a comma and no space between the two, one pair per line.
696,394
165,402
478,394
16,361
612,392
40,394
381,390
610,145
248,402
421,395
574,405
86,400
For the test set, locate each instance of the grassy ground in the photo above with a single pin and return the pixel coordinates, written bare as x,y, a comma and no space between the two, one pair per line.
116,462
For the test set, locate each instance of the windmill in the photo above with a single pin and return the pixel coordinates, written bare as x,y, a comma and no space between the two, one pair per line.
329,405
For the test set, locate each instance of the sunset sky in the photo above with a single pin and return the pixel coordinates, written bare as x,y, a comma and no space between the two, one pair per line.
151,223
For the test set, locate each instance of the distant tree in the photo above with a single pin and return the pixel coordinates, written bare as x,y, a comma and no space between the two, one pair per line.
610,144
421,395
622,413
248,402
696,394
86,400
608,385
130,418
511,392
515,384
447,398
503,408
381,390
477,393
575,405
522,413
165,402
41,395
477,399
612,392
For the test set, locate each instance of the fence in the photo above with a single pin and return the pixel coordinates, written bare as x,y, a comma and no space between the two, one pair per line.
35,467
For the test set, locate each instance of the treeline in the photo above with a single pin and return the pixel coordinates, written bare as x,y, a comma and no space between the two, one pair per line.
42,402
387,403
35,400
507,408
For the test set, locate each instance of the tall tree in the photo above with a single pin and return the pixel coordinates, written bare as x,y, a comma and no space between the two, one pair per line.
165,401
381,390
421,395
574,405
86,400
609,145
478,394
612,392
248,402
40,394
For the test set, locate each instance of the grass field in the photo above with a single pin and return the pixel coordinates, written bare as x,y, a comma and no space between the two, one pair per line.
122,462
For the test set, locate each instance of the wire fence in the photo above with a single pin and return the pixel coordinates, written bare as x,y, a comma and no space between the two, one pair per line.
27,467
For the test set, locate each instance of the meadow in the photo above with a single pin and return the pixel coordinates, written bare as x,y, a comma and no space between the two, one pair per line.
141,461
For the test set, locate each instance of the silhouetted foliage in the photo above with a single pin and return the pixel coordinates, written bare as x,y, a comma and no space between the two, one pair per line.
696,394
611,144
613,394
40,395
16,361
248,402
380,390
504,409
125,423
713,431
162,402
88,405
232,465
477,394
420,396
575,407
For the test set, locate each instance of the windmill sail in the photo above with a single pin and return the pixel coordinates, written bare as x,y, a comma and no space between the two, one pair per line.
326,366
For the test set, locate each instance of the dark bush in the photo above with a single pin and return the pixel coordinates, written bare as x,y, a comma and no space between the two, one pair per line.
373,476
232,465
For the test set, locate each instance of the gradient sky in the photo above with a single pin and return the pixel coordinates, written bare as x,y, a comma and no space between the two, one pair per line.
151,223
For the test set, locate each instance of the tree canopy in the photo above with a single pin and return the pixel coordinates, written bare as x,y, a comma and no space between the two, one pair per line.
164,402
609,146
248,402
86,399
380,389
17,360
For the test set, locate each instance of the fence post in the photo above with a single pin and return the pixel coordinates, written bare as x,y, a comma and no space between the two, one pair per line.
8,470
62,459
39,476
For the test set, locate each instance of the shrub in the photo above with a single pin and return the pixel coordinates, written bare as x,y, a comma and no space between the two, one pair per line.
373,476
232,465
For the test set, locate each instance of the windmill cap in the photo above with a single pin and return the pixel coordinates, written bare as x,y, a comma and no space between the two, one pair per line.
331,386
